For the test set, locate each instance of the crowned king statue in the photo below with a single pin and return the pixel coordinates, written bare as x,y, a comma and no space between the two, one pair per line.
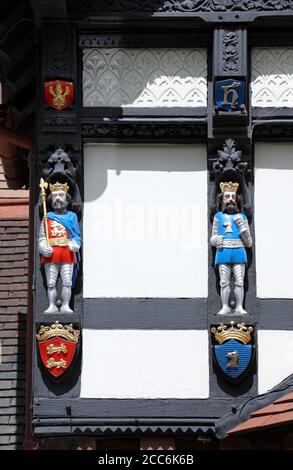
230,235
59,244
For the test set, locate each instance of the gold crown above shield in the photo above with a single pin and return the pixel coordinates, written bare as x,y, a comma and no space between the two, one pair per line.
59,187
57,329
241,332
231,187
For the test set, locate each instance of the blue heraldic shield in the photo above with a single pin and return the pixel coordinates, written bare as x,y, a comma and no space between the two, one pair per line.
233,356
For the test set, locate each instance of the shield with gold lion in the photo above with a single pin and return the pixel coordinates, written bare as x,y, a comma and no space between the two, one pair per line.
57,347
59,94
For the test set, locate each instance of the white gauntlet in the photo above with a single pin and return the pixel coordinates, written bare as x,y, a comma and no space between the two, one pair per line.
44,249
73,246
244,231
217,241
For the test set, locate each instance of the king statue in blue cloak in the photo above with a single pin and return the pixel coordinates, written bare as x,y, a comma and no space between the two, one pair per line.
59,243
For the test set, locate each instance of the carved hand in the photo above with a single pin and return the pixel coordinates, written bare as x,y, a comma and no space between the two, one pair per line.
240,223
46,251
73,246
219,241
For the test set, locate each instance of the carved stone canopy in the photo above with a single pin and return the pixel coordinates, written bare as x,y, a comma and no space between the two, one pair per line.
230,166
59,167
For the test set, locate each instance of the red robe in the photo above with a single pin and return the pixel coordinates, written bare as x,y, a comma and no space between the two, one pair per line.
61,253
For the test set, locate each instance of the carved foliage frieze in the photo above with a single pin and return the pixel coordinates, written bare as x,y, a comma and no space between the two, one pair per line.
149,131
174,6
145,77
272,77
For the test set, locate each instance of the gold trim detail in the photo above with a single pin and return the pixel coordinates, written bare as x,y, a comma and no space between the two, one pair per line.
59,364
57,329
241,332
51,349
231,187
62,241
59,187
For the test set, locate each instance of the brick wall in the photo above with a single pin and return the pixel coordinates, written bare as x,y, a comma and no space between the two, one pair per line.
13,308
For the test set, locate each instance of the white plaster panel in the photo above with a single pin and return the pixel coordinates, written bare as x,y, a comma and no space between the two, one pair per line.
145,77
273,219
145,364
275,357
272,77
145,221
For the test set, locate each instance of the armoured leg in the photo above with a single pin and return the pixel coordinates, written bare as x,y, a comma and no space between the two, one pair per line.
225,280
66,276
238,272
52,271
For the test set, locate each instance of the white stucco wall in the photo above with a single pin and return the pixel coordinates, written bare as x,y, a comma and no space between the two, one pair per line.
275,357
145,364
273,219
145,213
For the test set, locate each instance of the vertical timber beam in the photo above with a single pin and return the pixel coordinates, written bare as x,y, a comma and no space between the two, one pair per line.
228,119
55,128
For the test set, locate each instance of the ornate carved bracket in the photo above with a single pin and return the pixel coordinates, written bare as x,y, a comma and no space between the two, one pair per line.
229,166
59,167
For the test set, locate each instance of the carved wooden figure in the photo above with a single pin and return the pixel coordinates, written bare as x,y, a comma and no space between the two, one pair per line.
230,235
59,244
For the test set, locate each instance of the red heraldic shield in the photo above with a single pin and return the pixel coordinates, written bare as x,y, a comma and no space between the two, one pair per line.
57,355
59,94
57,347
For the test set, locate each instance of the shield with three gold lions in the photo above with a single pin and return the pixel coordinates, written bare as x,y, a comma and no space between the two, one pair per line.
59,94
57,347
234,352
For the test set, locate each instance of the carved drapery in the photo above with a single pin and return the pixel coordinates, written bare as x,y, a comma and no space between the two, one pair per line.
145,77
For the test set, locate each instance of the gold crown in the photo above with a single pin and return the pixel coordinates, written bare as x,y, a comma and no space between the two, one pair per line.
57,329
231,187
59,187
241,333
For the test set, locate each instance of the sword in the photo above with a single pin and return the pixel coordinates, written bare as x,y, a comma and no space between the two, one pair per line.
43,185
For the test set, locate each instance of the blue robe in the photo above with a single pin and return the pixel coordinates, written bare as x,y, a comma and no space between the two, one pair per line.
69,221
229,255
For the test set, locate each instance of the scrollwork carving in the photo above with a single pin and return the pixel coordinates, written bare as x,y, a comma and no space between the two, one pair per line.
59,43
58,124
230,51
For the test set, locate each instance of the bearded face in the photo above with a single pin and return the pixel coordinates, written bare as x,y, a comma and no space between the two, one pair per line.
59,201
229,205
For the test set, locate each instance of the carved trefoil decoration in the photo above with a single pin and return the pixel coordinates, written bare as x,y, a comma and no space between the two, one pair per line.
58,347
233,350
